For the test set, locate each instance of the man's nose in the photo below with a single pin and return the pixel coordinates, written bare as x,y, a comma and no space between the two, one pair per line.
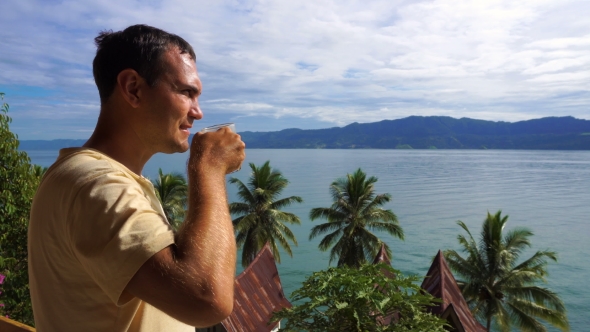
195,111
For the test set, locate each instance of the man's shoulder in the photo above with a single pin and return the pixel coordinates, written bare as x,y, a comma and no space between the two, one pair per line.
88,162
76,167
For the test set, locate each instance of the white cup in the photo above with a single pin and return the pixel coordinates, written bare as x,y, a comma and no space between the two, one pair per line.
231,125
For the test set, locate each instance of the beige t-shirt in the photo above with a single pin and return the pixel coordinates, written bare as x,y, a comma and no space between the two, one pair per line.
93,224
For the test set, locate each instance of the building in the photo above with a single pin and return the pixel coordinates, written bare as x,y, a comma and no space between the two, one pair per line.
441,283
258,293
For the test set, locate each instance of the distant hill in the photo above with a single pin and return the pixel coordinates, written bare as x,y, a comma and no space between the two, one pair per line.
414,132
56,144
434,132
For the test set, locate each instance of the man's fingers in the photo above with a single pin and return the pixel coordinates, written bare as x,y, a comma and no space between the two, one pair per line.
221,149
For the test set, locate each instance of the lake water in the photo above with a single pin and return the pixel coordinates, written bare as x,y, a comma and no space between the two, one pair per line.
546,191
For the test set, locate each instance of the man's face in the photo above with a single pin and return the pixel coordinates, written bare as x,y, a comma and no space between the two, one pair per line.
172,105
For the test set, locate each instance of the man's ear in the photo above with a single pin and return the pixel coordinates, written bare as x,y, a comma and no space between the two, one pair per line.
129,84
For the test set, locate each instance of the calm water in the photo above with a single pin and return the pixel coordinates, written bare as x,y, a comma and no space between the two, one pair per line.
547,191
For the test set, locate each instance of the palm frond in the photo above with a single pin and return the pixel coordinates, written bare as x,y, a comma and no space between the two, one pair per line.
498,288
282,216
260,219
287,232
277,235
376,202
325,228
465,269
524,313
355,210
244,192
329,214
539,258
247,222
329,240
393,229
284,202
171,189
538,295
239,208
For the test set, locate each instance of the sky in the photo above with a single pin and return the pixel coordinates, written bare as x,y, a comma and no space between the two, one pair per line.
271,65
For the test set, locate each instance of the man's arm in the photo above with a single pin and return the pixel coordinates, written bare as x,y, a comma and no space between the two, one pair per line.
193,280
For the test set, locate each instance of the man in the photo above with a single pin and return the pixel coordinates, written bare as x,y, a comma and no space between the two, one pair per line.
102,256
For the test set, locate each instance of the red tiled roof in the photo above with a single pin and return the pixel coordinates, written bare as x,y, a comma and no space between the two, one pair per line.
441,283
258,293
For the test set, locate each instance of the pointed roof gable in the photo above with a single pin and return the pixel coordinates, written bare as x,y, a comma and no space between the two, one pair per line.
382,256
257,294
441,283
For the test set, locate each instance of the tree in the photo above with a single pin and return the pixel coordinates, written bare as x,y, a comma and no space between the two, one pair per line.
18,183
498,289
260,218
367,298
355,211
39,171
171,189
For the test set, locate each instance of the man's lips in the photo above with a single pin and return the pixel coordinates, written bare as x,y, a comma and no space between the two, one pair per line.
186,129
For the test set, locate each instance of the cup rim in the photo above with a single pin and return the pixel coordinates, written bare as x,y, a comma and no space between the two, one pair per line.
217,126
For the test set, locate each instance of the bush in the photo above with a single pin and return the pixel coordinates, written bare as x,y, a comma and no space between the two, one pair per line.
371,298
18,183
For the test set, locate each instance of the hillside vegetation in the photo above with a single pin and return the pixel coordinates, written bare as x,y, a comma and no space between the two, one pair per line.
414,132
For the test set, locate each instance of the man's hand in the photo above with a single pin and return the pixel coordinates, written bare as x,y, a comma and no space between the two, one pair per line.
193,281
220,150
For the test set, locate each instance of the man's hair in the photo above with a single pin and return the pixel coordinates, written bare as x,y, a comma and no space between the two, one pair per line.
139,47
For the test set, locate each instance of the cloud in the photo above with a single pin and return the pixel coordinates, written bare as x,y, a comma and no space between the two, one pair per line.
320,62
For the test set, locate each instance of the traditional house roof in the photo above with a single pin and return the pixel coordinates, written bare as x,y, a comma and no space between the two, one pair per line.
441,283
257,294
382,256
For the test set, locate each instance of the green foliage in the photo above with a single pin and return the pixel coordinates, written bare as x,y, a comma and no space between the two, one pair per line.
39,171
171,189
18,183
500,290
555,133
355,211
260,219
370,298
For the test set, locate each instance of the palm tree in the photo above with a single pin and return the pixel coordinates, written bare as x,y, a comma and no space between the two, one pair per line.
500,290
355,211
39,171
260,219
171,189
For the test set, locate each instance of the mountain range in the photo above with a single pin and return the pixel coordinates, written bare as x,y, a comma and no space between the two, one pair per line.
414,132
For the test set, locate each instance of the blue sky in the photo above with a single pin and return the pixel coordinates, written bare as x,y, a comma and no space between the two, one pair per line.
270,65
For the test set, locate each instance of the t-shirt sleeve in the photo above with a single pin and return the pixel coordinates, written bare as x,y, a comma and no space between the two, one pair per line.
114,230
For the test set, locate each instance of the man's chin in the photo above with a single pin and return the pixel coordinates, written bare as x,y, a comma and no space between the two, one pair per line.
177,148
184,146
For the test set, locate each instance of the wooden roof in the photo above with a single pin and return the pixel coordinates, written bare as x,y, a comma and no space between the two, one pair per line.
441,283
258,293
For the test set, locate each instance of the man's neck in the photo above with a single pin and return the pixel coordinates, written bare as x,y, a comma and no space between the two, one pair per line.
119,143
